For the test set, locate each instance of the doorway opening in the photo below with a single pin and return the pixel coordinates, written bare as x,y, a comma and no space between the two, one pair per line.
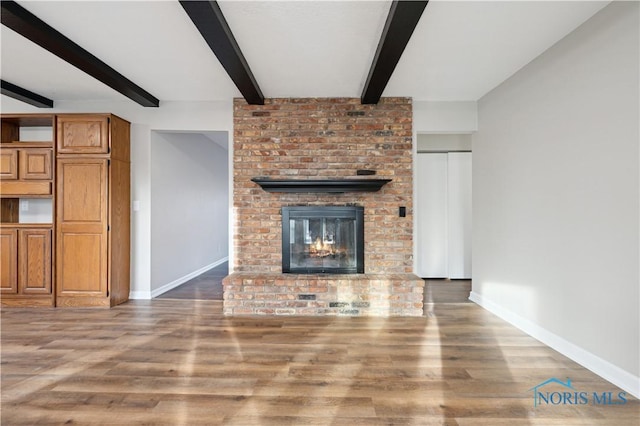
189,214
443,206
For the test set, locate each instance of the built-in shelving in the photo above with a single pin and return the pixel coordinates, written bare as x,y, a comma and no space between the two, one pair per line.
27,171
64,179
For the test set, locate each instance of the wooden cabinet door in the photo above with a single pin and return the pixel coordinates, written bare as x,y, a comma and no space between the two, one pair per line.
81,238
34,261
9,261
85,134
36,163
9,163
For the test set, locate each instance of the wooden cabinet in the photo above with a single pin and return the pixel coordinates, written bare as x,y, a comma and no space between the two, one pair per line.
9,164
82,227
92,214
83,134
34,261
80,256
27,162
9,261
26,262
27,172
21,188
35,164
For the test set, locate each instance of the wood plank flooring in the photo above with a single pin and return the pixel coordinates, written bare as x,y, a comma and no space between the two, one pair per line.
180,362
206,286
446,291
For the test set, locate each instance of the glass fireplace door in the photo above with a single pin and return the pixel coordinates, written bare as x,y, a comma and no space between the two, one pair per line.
322,240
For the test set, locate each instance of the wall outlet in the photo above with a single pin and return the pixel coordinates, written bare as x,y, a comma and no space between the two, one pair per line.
24,205
136,206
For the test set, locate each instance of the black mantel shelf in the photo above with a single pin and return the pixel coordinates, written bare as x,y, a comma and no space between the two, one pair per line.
320,185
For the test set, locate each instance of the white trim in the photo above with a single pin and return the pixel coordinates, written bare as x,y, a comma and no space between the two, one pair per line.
603,368
175,283
141,295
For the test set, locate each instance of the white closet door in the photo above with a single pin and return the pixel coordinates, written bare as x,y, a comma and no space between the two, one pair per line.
459,214
432,220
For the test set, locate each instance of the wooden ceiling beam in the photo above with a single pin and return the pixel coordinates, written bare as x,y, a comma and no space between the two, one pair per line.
39,32
24,95
209,20
401,22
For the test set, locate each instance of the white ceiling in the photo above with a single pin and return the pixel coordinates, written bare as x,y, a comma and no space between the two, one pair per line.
459,51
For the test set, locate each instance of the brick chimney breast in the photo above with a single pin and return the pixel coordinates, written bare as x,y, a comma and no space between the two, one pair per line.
316,138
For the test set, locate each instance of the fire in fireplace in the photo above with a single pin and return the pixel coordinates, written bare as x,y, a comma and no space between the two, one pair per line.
323,239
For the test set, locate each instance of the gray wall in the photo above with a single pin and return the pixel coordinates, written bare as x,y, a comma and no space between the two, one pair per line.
556,193
189,206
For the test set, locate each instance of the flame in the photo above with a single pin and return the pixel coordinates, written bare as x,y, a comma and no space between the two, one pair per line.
321,249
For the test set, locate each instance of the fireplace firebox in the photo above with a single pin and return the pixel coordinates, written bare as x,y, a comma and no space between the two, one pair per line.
323,239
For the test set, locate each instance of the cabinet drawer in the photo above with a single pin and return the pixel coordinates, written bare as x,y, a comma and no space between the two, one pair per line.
86,134
36,164
25,188
9,163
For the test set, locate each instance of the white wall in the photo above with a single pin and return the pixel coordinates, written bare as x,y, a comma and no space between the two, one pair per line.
35,210
171,116
445,117
556,197
189,207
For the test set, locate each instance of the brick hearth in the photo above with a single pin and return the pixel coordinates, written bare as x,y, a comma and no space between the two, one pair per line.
315,139
355,295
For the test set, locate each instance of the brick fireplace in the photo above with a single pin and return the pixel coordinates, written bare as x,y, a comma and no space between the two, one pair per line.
318,139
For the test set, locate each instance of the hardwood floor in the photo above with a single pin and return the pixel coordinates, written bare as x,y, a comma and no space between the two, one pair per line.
447,291
206,286
180,362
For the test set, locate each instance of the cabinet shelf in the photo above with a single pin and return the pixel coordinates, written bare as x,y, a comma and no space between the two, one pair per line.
27,144
26,225
27,128
28,120
4,196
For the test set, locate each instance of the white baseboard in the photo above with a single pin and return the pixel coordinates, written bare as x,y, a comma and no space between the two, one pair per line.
147,294
616,375
140,295
175,283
